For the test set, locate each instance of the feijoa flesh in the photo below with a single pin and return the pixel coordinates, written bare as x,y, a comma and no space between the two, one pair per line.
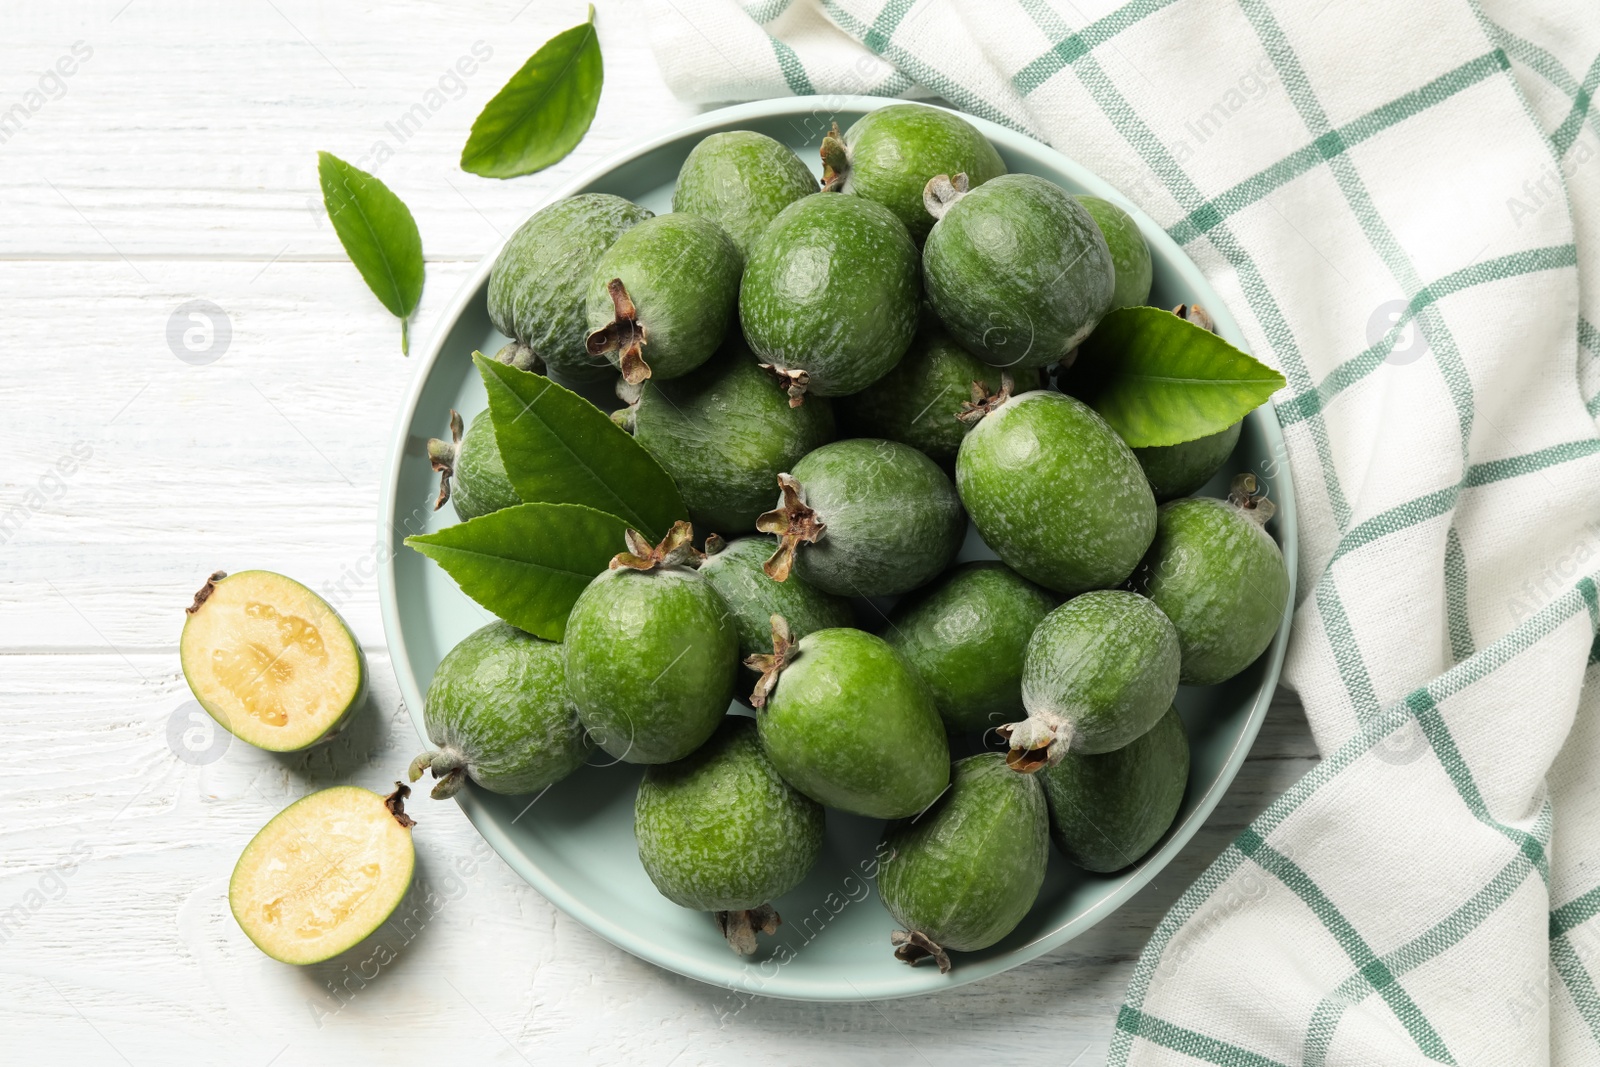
661,298
540,281
1130,253
865,517
271,661
472,473
1016,269
848,724
1099,671
829,296
962,876
966,636
721,831
1055,492
740,180
324,873
1220,577
498,711
735,572
1107,811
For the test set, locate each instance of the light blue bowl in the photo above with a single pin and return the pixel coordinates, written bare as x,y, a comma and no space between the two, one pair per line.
575,843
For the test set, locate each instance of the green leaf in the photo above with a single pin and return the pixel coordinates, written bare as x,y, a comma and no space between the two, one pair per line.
561,449
527,563
543,111
1161,380
378,234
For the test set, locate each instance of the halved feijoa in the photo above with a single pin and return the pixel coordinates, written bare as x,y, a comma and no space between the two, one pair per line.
324,873
270,660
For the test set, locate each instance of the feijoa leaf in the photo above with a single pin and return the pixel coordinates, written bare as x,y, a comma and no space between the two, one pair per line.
1161,380
543,111
558,448
379,235
529,562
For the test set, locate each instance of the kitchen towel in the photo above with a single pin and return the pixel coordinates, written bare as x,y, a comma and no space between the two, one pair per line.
1400,204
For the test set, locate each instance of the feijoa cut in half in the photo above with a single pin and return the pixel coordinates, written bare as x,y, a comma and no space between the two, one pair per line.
499,712
472,473
271,661
324,873
721,831
1107,811
963,874
741,179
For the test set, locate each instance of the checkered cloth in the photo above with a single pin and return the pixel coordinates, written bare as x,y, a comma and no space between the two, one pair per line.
1400,203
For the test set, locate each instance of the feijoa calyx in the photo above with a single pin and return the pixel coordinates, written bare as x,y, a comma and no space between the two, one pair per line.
864,517
1099,671
721,831
271,661
962,875
741,179
472,473
498,711
651,652
847,723
325,873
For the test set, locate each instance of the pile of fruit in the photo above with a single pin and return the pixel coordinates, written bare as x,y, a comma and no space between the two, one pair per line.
822,385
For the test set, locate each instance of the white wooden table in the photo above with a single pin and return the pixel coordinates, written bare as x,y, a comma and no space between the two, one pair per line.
175,163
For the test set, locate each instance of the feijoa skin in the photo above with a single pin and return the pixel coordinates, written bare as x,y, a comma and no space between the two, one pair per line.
1017,270
721,831
472,471
740,180
650,657
538,286
1100,670
829,295
963,875
889,154
1130,253
1056,493
848,724
966,636
865,517
917,403
1178,470
734,571
1107,811
1220,577
661,298
725,433
498,711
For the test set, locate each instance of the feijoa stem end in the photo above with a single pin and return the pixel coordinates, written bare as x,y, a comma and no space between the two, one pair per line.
1196,314
984,402
442,457
205,591
770,666
622,337
835,160
1039,741
1245,493
942,192
794,524
448,765
675,550
740,927
396,803
913,947
521,356
794,382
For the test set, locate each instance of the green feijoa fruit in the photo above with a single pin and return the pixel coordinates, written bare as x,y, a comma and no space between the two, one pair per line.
1219,576
725,434
829,296
1130,254
961,876
1178,470
472,472
499,712
538,286
1107,811
651,653
1055,492
864,518
1099,671
1016,269
325,873
889,155
848,724
271,661
721,831
661,298
965,636
919,402
734,571
741,180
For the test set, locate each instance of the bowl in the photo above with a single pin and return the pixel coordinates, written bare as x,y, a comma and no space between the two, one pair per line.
574,843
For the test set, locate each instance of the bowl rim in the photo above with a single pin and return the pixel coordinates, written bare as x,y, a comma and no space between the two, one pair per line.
1176,838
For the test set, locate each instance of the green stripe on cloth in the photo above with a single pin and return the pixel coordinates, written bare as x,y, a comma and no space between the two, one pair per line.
1497,470
1548,67
1578,984
793,72
1197,1046
1455,597
1575,912
1346,652
1566,134
1252,189
890,15
1066,51
1588,336
764,11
